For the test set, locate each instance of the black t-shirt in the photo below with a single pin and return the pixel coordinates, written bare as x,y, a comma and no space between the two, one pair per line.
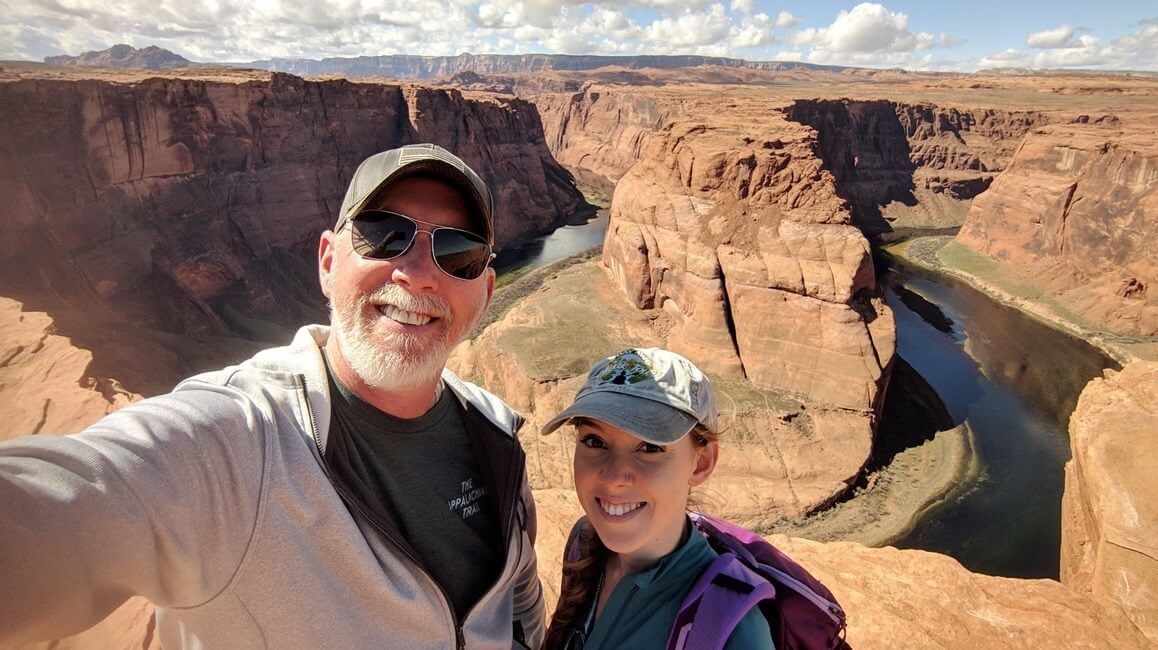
425,476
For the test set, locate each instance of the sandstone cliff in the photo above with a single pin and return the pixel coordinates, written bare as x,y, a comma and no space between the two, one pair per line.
1074,217
193,207
891,158
733,226
905,162
1110,507
785,457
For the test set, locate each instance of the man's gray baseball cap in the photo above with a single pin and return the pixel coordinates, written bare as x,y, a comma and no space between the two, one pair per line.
655,394
379,171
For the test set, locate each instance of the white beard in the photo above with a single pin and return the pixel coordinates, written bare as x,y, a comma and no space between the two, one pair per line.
394,361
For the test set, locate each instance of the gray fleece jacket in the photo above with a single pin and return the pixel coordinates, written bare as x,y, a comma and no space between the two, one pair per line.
214,503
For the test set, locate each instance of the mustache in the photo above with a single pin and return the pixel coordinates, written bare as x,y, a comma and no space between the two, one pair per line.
427,303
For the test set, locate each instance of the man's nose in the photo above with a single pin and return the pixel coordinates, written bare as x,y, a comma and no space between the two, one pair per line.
416,268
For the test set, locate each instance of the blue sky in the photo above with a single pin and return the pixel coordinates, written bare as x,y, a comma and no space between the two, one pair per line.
964,36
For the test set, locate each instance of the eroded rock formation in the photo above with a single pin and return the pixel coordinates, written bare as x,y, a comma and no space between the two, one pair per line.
1110,507
730,222
1075,216
892,157
782,458
193,206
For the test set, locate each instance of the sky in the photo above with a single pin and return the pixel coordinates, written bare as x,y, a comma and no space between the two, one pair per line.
935,36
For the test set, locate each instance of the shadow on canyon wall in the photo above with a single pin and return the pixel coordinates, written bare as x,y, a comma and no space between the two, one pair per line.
171,225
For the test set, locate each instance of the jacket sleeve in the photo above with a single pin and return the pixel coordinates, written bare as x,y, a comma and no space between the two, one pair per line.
158,499
528,597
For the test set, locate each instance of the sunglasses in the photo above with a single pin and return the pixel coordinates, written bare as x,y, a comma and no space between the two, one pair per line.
385,235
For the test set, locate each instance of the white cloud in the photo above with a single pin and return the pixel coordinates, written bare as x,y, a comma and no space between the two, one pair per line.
1009,58
866,28
1052,38
240,30
1061,49
870,34
691,28
753,31
785,20
741,6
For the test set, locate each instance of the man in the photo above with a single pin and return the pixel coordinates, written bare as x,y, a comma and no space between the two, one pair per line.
344,491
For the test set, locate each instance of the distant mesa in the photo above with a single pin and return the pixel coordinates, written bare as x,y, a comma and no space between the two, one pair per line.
434,67
124,56
402,66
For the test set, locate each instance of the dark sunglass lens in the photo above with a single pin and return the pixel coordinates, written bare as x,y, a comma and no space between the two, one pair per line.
382,235
461,254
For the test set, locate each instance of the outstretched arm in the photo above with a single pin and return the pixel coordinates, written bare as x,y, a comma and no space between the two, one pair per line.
157,499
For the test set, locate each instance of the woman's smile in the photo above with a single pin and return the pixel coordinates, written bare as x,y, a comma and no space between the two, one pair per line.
619,511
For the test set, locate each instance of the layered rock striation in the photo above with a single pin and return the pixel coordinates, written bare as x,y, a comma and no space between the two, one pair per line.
921,156
729,221
1075,217
194,206
1110,506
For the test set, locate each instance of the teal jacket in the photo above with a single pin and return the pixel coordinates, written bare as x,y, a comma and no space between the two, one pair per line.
642,608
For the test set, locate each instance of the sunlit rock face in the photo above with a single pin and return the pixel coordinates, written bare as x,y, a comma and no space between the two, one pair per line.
1074,216
1110,506
732,224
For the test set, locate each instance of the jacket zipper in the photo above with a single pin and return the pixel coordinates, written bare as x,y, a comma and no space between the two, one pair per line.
459,636
518,476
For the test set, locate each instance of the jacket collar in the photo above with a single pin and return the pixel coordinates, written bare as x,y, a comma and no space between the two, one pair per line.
303,356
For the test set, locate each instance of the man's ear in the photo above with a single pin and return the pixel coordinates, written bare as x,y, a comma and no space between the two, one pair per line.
326,260
705,463
490,285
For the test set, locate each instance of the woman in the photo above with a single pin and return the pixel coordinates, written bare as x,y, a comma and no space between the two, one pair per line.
646,434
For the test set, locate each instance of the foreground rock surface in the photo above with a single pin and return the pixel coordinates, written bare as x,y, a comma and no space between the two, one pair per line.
911,599
46,389
1110,507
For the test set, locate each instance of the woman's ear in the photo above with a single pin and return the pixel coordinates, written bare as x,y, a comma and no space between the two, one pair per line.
705,463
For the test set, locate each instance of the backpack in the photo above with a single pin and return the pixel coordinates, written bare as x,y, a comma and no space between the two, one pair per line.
801,612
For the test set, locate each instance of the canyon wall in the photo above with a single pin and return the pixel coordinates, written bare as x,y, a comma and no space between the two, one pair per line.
727,218
891,158
1110,506
193,206
1075,218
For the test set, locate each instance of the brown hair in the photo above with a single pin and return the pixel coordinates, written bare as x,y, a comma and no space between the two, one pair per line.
579,579
581,576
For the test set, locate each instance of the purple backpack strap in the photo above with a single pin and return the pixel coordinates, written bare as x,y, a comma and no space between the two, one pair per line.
722,596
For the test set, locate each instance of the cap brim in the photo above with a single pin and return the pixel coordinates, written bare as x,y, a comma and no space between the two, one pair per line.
655,422
436,168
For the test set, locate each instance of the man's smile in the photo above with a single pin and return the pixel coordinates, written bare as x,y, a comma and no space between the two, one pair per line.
403,316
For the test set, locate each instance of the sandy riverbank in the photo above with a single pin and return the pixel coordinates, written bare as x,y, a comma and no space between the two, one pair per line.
942,254
896,497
